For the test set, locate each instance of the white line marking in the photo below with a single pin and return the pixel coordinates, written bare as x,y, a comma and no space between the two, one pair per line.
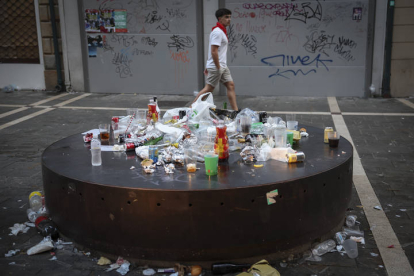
333,105
49,99
395,260
299,112
13,112
73,100
94,108
40,112
376,114
407,102
12,105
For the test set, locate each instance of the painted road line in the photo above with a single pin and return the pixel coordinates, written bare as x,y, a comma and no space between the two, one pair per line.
95,108
40,112
299,112
395,260
49,99
73,100
12,105
13,112
333,105
376,114
407,102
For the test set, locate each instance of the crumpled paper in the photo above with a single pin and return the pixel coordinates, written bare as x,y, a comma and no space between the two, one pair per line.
19,227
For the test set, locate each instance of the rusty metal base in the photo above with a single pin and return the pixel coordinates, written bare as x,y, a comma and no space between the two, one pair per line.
192,218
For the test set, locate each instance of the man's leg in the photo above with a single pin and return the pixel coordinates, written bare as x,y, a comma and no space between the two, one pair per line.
231,94
207,88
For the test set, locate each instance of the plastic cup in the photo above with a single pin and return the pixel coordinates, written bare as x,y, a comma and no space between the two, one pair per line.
290,117
211,163
333,138
141,117
245,124
104,131
351,248
292,125
189,160
290,137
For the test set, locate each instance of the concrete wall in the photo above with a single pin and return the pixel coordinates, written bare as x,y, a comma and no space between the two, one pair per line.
402,58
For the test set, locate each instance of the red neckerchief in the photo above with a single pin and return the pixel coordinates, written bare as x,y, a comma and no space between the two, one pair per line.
219,25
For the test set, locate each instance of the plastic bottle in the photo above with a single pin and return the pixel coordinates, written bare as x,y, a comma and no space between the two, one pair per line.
226,268
96,151
350,220
280,135
46,227
32,215
323,247
340,237
221,144
35,201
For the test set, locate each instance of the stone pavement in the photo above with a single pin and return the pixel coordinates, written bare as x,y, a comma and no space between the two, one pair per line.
382,131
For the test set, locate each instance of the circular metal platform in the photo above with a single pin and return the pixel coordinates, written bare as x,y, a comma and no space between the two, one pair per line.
189,216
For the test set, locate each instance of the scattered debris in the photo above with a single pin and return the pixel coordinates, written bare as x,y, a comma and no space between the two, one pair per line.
358,239
45,245
381,266
283,264
391,246
403,210
373,254
132,167
17,228
398,216
54,258
104,261
377,207
148,272
11,253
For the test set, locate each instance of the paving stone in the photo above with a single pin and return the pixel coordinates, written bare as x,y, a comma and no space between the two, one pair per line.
383,143
372,105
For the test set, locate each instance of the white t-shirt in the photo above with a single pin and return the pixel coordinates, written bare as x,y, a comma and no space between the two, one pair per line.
219,38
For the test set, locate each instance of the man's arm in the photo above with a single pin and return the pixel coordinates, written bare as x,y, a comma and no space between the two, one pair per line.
214,55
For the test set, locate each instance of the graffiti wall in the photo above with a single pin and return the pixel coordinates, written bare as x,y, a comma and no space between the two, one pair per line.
306,48
141,46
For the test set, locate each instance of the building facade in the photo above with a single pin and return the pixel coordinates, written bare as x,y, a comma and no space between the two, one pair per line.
276,48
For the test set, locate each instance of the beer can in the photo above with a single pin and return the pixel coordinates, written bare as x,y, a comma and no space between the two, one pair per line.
295,157
263,117
325,134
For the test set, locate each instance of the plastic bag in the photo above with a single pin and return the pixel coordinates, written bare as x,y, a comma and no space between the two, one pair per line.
200,109
261,268
264,154
170,113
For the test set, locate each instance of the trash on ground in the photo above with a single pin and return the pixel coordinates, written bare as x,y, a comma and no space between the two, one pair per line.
148,272
45,245
323,248
124,268
377,207
391,246
104,261
19,227
196,270
358,239
373,254
11,253
54,258
403,210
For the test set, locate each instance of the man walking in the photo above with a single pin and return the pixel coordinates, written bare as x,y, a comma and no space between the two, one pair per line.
216,67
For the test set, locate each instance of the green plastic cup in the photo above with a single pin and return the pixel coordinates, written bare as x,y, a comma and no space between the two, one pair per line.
211,163
290,138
